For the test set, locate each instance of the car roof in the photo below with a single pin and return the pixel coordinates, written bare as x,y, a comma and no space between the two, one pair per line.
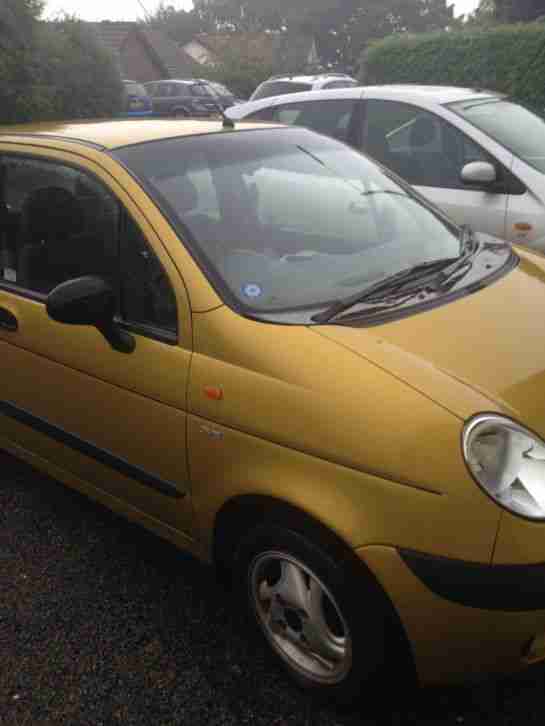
112,134
436,94
308,78
407,93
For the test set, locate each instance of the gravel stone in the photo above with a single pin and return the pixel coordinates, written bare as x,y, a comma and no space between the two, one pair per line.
103,623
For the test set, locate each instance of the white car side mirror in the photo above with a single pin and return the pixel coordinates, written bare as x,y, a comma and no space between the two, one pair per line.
479,172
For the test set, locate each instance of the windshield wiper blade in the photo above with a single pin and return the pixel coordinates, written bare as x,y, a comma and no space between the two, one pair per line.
394,192
470,246
389,284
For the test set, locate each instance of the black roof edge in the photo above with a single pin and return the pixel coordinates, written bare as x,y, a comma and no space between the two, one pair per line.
54,137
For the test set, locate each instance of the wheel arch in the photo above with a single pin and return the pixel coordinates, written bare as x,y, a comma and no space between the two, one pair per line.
239,515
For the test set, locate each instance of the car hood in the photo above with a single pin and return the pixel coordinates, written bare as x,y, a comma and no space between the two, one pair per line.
485,351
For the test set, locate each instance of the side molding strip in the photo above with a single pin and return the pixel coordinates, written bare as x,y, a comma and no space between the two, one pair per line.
94,452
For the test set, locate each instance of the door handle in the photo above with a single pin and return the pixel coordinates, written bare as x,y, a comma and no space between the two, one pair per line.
8,321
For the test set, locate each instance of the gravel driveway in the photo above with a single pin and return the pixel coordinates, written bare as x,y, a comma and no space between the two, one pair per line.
103,623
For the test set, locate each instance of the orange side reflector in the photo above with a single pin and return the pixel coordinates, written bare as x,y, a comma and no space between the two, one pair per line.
523,227
213,392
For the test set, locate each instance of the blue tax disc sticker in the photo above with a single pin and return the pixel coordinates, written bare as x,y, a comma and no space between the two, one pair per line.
252,289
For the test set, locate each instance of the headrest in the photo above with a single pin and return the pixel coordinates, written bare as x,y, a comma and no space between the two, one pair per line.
52,212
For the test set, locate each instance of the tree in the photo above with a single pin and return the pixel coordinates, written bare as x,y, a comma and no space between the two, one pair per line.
19,63
180,25
17,21
510,11
79,73
52,70
343,37
342,27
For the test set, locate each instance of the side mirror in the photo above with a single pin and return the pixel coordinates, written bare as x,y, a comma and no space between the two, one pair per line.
89,300
479,172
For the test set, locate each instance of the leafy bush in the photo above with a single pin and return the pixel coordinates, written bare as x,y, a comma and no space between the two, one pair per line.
83,74
507,58
54,70
240,74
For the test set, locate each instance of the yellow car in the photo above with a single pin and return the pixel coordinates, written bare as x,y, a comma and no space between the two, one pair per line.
270,351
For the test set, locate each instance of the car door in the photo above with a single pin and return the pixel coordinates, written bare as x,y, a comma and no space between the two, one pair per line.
429,153
526,209
115,421
162,100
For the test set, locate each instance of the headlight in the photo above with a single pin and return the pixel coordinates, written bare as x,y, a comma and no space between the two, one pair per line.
508,461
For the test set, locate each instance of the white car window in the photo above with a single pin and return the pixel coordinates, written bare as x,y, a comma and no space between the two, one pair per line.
418,145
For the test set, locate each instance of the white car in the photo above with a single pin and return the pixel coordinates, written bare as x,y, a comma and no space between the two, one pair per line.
476,154
280,85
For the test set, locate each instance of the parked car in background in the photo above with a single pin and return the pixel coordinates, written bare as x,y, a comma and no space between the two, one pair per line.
279,85
225,97
182,98
136,100
266,348
477,155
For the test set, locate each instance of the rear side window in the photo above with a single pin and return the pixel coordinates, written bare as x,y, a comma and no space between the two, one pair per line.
200,89
341,84
277,88
330,116
135,89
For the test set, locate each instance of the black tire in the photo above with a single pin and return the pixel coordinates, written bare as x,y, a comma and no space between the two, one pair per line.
352,611
180,113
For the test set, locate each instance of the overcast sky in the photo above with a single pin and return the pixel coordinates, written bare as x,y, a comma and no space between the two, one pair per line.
136,9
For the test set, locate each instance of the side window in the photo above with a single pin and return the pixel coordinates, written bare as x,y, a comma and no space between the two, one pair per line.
340,84
266,114
57,224
418,145
198,89
288,114
330,116
146,297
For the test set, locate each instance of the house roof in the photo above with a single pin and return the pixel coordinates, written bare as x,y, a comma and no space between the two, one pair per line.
166,53
174,60
272,48
112,34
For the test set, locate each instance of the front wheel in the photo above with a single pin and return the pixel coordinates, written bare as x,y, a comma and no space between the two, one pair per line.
317,615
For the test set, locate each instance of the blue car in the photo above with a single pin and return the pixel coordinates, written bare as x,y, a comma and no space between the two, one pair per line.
137,102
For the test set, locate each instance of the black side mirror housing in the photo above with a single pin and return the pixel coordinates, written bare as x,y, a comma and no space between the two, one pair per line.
89,300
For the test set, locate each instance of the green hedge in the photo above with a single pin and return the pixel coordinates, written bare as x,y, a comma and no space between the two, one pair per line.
59,73
507,58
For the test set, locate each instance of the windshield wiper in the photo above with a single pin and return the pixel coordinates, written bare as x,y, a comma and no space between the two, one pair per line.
447,267
469,248
370,193
483,102
386,285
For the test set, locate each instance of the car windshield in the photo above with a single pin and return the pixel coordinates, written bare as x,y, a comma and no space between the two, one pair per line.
221,90
277,88
512,125
286,219
135,89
